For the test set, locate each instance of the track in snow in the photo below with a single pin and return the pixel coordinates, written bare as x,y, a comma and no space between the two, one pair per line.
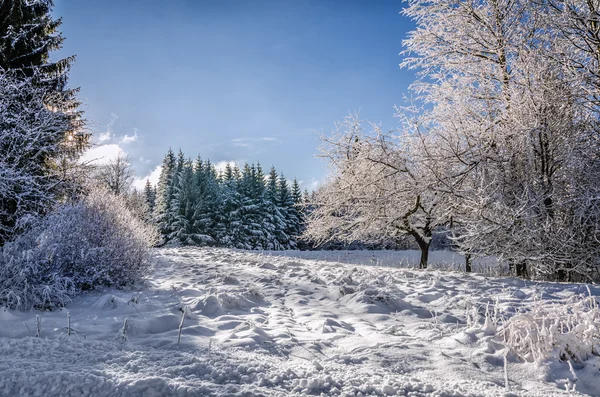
279,325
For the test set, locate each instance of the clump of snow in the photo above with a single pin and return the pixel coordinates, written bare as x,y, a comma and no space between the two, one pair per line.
565,330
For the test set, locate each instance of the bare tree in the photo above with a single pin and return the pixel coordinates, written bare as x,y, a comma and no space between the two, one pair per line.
117,175
511,130
378,189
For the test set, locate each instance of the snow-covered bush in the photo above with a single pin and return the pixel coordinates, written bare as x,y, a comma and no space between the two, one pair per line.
568,330
80,246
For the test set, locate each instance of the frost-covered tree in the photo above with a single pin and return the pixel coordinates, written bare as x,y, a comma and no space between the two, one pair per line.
576,26
228,219
41,129
507,126
150,196
31,138
28,36
240,209
164,194
117,175
377,189
208,195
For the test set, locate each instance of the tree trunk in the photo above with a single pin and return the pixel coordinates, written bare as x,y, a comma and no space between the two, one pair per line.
424,246
519,269
468,263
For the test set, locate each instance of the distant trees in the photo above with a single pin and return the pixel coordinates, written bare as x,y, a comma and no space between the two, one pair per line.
117,175
196,205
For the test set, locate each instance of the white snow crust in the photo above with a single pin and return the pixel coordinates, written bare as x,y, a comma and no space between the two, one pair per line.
288,324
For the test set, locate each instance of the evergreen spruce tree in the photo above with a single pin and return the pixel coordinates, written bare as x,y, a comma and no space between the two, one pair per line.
184,204
228,220
31,87
164,194
150,195
296,192
291,220
207,190
272,185
298,212
28,34
250,236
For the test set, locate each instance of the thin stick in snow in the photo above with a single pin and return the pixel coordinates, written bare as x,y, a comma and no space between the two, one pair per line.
68,324
181,325
506,369
38,320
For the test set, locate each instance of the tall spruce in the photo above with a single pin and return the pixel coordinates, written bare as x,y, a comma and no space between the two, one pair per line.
41,128
164,194
150,195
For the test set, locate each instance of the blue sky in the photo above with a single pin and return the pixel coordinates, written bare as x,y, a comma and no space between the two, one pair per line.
232,80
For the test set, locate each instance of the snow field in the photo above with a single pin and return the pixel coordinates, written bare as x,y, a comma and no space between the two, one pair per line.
297,323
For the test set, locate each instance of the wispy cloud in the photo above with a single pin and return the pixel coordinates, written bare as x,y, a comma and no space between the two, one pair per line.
130,138
250,142
108,134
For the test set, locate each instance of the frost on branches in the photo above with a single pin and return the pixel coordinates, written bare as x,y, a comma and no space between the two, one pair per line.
32,147
96,241
379,189
511,124
503,152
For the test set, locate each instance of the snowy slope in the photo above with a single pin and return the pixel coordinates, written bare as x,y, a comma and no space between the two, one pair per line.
280,324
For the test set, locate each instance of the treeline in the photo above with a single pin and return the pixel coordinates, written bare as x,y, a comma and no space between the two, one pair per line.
194,204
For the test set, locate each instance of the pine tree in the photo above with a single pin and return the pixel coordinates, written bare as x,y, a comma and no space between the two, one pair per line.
150,195
32,88
164,194
251,233
290,214
207,191
298,211
296,192
29,34
228,220
272,185
184,205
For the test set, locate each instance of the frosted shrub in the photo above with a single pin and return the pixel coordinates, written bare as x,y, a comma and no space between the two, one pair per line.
92,243
567,330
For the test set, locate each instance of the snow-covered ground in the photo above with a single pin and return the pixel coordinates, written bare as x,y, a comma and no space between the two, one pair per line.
291,323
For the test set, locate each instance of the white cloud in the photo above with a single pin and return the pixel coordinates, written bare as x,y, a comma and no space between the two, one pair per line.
105,136
102,154
220,166
153,176
108,134
130,138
